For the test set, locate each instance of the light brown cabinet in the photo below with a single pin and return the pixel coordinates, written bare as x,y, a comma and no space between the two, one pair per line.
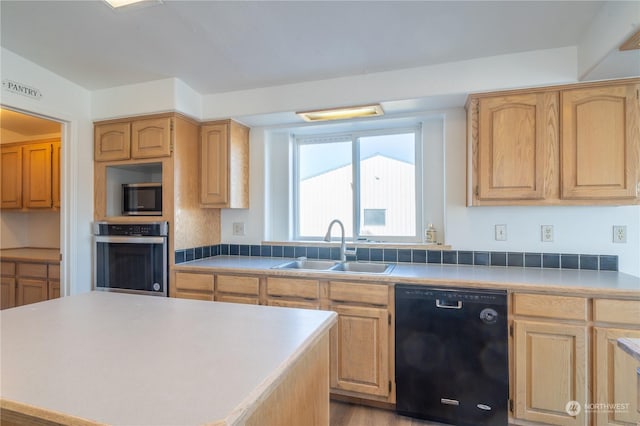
574,144
224,165
293,293
601,142
135,139
11,175
550,371
614,385
187,285
238,289
550,353
514,146
31,175
360,343
29,282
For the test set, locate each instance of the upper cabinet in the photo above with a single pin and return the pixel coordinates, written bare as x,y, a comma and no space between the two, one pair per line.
576,144
137,139
31,175
224,165
600,142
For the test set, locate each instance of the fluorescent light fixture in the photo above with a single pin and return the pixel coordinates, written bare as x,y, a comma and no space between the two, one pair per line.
122,3
342,113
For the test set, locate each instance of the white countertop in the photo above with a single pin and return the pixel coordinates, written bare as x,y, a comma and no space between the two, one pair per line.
126,359
528,279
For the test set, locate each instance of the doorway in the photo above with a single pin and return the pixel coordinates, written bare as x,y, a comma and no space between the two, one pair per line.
28,219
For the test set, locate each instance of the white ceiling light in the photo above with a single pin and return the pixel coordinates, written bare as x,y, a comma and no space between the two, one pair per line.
122,3
342,113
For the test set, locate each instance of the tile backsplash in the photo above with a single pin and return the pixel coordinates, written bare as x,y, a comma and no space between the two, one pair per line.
447,257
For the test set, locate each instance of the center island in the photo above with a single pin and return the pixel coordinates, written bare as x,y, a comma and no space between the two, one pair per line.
123,359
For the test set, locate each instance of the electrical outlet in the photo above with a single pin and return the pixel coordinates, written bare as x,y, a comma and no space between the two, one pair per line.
501,232
619,234
547,233
238,228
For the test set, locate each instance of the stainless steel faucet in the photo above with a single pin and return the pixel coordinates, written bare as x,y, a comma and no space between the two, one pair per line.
343,246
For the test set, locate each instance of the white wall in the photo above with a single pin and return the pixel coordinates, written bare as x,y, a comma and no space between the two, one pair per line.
577,229
65,102
30,229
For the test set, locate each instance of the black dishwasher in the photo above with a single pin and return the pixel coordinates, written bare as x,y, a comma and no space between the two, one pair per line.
451,354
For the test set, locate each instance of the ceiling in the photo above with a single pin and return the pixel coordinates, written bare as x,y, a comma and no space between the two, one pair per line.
24,125
222,46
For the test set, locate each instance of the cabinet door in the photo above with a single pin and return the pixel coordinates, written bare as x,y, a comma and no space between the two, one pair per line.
8,293
550,362
36,163
601,143
151,138
614,380
11,177
55,174
32,291
360,350
517,138
112,142
214,169
54,289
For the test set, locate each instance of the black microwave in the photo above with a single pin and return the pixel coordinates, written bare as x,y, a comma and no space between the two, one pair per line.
143,199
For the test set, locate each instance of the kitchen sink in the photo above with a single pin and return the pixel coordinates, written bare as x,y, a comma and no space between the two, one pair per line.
321,265
333,266
364,267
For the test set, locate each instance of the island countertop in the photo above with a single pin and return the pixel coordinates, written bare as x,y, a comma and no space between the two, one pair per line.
118,358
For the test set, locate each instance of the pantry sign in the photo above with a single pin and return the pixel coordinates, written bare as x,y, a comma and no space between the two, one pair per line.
21,89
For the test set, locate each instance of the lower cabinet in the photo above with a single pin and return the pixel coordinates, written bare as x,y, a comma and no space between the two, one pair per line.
550,371
550,355
8,292
360,350
360,342
615,396
24,283
567,366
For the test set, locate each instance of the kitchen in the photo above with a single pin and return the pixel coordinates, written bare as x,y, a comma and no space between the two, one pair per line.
440,92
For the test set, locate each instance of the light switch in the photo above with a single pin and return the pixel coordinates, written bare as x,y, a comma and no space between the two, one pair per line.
238,228
501,232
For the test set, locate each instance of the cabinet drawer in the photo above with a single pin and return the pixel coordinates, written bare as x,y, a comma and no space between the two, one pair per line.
8,268
245,300
293,304
54,272
373,294
289,287
194,282
35,270
195,296
545,306
618,311
238,285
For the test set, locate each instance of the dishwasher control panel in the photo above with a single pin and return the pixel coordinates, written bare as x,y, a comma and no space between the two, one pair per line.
465,295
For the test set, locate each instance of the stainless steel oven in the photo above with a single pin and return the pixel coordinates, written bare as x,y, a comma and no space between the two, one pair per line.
131,257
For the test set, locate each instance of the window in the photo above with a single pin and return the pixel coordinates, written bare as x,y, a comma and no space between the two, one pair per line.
370,181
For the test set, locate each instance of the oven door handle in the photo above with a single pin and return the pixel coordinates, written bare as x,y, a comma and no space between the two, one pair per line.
129,240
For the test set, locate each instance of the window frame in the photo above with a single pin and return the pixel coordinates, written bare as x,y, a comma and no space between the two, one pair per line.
354,139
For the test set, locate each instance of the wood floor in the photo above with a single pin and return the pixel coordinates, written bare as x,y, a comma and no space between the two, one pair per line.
344,414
